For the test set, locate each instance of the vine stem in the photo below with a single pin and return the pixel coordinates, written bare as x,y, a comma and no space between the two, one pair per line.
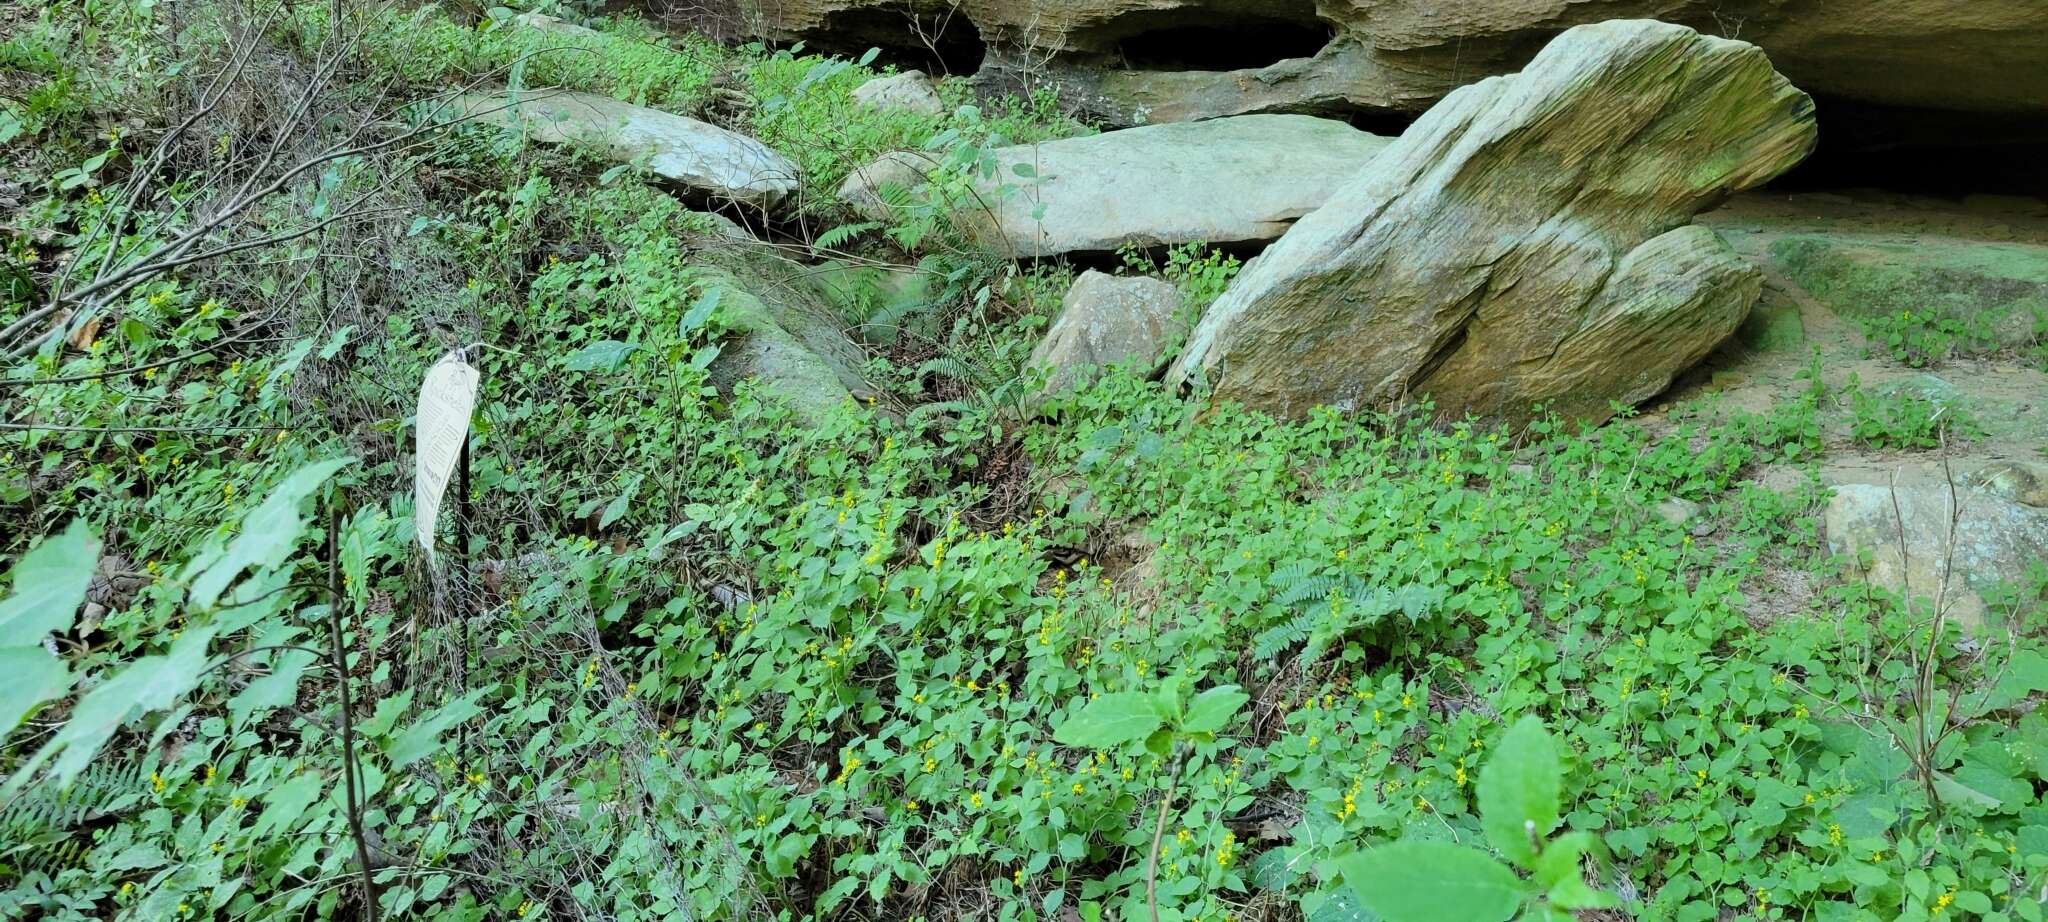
348,730
1158,835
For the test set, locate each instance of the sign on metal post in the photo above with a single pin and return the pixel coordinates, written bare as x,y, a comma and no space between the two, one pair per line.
447,397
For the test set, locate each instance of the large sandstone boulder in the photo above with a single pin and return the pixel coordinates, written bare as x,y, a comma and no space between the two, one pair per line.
1105,320
1525,241
1160,60
1222,181
693,154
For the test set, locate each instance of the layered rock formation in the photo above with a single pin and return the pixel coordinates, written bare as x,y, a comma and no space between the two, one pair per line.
1222,181
1164,60
1525,241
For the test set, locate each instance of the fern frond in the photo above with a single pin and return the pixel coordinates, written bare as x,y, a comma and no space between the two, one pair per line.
1271,642
41,828
832,239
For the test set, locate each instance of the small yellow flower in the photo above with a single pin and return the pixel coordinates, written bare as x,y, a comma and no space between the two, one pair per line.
910,805
974,800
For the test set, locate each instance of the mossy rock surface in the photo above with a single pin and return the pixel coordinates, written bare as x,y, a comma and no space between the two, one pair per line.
1773,326
787,342
1997,290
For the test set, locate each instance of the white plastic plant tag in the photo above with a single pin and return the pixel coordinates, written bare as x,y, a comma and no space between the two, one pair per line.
446,398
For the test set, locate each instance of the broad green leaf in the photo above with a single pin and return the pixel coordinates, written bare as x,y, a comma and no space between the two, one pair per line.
1573,893
1560,858
29,676
1412,881
617,508
420,739
2032,840
1212,710
2024,675
49,584
151,683
269,533
1974,791
285,803
1336,905
700,312
275,690
604,355
1110,720
1519,790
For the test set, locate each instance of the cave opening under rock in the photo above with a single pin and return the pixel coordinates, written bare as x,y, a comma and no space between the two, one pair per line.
1919,152
1237,44
945,43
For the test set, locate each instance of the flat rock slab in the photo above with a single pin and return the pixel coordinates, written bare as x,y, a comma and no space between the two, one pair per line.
1957,543
693,154
1527,240
1229,180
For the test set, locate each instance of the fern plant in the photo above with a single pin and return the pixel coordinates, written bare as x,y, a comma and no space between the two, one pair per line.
1347,603
46,828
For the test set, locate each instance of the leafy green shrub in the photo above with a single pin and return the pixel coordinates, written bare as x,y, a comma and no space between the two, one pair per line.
626,59
1520,794
1921,338
1906,420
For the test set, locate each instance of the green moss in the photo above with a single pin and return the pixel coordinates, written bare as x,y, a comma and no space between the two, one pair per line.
1931,295
1773,327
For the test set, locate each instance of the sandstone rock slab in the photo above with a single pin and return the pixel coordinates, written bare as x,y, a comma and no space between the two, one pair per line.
1222,181
1924,540
786,343
696,155
1526,240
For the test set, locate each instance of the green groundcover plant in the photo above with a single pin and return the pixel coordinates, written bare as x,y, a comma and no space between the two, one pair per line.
687,652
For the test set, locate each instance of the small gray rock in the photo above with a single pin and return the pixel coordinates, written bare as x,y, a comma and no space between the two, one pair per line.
910,91
1105,320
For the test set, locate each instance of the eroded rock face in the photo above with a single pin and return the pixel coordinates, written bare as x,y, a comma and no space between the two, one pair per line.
1162,60
1222,181
1105,320
693,154
1524,241
1995,291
